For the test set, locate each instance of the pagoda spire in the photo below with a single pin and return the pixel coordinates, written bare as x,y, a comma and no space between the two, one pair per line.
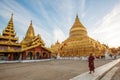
77,15
31,23
30,32
10,23
9,30
77,18
11,19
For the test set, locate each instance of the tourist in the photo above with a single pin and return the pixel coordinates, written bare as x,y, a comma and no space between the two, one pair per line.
91,63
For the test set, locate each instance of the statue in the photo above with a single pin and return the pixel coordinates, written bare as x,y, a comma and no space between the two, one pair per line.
58,56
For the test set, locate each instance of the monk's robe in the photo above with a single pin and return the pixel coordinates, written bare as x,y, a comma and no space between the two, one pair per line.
91,63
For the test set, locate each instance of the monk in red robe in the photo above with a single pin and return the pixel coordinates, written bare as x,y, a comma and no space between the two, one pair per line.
91,63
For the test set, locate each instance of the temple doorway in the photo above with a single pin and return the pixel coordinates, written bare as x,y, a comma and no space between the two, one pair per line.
37,55
44,55
16,56
29,56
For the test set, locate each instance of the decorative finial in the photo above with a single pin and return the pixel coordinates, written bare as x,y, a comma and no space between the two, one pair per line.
57,41
12,14
76,19
31,22
11,19
77,15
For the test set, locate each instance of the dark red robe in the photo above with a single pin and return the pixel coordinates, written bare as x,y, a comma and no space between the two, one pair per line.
91,63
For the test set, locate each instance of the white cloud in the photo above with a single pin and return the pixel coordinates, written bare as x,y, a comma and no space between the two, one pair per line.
58,35
107,30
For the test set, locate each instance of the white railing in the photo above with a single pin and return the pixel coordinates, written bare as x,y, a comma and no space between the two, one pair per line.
23,61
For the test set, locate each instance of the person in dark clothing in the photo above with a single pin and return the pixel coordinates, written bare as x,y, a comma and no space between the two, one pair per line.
91,63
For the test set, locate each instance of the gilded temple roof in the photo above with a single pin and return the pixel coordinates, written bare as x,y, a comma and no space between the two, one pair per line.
31,40
8,39
8,36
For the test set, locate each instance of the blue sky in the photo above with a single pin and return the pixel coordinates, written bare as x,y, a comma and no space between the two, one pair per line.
52,19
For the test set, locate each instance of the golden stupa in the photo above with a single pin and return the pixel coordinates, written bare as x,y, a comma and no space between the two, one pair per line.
31,40
54,49
79,43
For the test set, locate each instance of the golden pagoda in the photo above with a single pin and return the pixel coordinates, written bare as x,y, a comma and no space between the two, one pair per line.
33,46
79,43
9,45
30,38
55,48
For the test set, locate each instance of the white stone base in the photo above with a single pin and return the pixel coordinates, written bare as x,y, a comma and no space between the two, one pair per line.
70,58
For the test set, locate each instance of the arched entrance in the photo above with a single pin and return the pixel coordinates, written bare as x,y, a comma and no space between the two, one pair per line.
16,56
30,56
37,55
44,55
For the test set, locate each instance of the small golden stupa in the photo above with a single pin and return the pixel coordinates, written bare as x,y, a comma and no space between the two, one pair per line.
30,38
54,49
33,47
79,43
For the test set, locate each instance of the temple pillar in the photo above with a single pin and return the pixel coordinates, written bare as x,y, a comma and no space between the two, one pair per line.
20,58
34,56
48,55
31,57
9,57
24,56
12,56
40,55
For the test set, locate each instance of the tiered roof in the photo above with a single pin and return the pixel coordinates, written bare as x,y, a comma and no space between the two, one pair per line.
8,39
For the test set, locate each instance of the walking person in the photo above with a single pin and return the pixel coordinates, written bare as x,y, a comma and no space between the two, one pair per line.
91,63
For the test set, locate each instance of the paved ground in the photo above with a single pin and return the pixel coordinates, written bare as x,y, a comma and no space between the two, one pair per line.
117,74
50,70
